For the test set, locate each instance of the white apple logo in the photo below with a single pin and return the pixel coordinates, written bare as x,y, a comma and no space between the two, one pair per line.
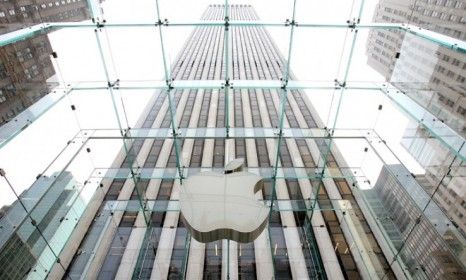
218,206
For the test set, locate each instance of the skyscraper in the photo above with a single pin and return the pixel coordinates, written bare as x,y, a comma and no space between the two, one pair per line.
400,203
26,66
127,218
118,244
432,75
436,160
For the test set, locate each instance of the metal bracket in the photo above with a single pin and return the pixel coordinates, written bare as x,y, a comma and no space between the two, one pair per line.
227,84
160,22
227,23
339,85
114,84
353,23
169,85
291,23
284,83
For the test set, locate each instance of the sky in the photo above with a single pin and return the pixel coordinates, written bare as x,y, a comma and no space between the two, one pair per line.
318,55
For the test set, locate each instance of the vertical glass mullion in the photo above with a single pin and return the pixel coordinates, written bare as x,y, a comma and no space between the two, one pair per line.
281,116
227,104
170,96
123,131
29,218
94,9
227,69
281,113
187,245
331,129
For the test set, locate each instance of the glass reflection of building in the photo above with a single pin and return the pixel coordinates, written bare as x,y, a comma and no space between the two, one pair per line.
432,75
289,247
441,178
27,238
112,237
400,202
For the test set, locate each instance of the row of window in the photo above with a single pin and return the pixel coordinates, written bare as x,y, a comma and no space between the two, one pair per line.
455,62
450,103
31,72
23,9
57,3
8,90
446,3
24,54
450,74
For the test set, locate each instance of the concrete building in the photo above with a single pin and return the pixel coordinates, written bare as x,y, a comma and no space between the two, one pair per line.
26,66
27,240
119,245
419,237
433,76
447,188
111,238
17,14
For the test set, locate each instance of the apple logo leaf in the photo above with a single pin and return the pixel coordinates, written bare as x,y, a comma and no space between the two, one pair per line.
218,206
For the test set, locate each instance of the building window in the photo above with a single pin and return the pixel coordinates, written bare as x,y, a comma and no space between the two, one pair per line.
27,74
453,17
3,73
24,54
449,3
2,96
34,70
462,111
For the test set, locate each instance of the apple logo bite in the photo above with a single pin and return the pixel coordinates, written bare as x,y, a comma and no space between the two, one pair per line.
218,206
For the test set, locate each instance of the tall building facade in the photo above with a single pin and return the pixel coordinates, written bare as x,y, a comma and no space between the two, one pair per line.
400,201
110,237
446,189
26,66
432,75
119,245
24,248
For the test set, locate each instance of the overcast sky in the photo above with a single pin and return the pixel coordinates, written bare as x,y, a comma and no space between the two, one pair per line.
136,55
